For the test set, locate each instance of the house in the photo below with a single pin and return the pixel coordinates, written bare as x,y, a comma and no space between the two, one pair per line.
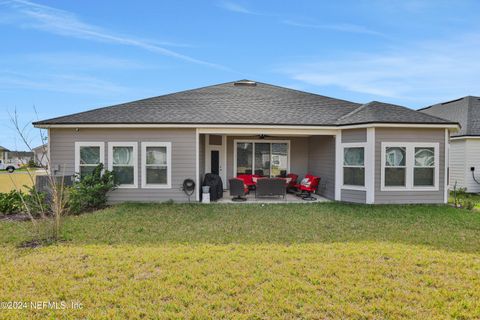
365,153
19,158
40,154
464,144
3,154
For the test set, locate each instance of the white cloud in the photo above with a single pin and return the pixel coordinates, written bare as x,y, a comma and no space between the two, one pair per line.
235,7
40,17
342,27
74,60
67,83
419,73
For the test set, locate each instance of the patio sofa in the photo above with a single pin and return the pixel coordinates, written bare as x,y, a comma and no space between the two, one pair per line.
270,187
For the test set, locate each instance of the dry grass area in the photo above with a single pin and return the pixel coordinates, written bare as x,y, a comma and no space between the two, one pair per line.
321,261
16,180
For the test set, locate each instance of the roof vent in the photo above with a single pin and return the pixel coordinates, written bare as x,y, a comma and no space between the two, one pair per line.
249,83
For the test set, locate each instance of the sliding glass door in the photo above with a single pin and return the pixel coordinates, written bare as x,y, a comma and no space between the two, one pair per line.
264,158
244,158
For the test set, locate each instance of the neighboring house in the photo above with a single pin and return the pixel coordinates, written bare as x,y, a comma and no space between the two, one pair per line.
19,158
3,153
40,154
364,153
464,144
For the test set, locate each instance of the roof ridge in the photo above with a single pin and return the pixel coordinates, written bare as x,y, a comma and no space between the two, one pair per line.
305,92
144,99
363,106
469,112
445,102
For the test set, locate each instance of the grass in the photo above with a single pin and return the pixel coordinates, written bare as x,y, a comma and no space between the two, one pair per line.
251,261
12,181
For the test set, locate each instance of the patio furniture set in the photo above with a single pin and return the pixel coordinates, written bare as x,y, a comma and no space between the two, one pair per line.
243,184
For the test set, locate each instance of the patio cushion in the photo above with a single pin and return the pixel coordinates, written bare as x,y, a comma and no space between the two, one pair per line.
247,179
312,184
306,182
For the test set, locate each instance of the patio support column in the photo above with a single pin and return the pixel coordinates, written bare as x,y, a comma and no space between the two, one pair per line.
446,159
338,166
370,166
197,165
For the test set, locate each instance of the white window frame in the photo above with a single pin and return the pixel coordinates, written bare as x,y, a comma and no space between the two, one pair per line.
168,145
354,145
134,145
253,141
79,144
410,165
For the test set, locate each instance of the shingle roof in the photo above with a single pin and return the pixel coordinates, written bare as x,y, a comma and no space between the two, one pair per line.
387,113
465,110
245,102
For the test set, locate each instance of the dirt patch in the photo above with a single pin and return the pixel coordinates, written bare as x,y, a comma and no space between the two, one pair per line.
15,217
31,244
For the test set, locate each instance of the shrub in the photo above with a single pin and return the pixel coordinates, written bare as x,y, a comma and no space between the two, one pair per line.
36,202
10,202
32,164
90,192
464,199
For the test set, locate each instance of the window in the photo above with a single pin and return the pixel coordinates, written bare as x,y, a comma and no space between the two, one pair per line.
262,157
354,166
424,171
410,166
88,155
395,166
156,165
122,160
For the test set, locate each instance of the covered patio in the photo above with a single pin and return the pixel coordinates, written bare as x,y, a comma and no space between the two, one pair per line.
269,153
289,198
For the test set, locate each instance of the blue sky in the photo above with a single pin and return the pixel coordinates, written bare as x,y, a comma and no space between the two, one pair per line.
69,56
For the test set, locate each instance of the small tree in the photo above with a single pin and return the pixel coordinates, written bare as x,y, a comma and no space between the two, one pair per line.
51,208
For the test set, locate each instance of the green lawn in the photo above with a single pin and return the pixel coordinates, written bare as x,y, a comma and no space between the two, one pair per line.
250,261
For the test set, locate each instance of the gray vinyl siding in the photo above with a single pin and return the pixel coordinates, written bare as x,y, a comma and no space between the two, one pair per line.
354,135
62,144
355,196
321,162
298,153
408,135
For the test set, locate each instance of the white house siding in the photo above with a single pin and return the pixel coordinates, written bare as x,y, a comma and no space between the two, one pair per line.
62,153
457,163
472,159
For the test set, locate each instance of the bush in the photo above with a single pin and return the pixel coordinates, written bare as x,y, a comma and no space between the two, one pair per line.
464,199
90,192
10,202
32,164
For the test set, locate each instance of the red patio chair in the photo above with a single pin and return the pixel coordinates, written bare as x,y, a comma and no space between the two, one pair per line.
310,187
293,182
307,176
